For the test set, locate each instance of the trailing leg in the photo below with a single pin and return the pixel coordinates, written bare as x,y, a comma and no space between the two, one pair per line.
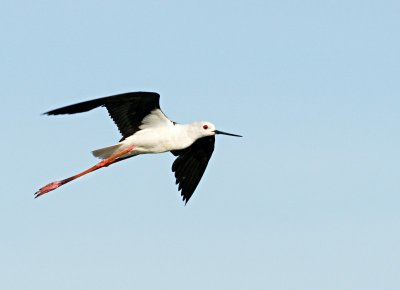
104,163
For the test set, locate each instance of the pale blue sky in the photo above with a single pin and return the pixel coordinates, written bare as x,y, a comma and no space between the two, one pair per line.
308,199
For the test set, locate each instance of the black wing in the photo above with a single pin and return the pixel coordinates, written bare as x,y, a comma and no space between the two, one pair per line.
127,110
191,164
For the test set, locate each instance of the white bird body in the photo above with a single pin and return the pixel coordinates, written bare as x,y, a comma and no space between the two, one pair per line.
145,130
161,139
157,134
153,140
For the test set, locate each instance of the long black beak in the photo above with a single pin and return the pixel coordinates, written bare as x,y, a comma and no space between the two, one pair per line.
224,133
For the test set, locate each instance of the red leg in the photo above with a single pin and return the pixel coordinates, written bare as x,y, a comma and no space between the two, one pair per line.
104,163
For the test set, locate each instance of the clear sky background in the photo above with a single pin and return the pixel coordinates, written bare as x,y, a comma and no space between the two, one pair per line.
308,199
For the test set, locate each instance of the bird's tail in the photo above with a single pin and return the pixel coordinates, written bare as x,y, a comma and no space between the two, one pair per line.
106,152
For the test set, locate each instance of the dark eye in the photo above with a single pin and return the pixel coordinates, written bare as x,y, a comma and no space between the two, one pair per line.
205,127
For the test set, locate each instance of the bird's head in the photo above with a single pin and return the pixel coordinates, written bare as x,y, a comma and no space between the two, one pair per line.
208,129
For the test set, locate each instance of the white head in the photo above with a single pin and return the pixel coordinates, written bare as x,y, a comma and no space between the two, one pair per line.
205,128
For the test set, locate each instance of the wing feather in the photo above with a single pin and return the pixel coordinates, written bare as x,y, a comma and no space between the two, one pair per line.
191,164
127,110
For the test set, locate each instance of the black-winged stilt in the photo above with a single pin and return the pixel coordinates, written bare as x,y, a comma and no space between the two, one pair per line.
145,129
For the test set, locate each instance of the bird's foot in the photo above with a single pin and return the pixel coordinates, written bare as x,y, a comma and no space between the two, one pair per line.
49,187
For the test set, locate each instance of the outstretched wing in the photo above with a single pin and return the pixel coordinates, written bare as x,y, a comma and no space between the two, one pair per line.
127,110
191,164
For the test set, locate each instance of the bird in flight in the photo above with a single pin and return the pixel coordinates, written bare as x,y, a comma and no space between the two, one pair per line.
145,129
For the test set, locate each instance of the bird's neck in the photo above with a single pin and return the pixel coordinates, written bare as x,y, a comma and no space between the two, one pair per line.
184,135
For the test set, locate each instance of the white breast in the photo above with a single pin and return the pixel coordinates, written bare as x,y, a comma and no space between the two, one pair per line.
159,139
